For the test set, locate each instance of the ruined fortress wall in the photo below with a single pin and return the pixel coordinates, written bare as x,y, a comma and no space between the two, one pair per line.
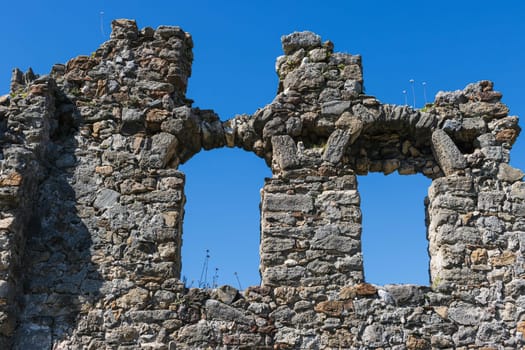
92,206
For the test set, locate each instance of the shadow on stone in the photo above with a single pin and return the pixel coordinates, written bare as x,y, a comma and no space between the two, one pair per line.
60,281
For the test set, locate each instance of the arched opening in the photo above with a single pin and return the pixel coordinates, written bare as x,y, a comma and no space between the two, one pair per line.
394,243
222,218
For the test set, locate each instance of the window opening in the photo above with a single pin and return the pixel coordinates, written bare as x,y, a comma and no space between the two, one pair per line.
221,227
394,238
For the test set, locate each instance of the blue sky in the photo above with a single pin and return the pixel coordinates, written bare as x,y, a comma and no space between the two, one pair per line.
447,44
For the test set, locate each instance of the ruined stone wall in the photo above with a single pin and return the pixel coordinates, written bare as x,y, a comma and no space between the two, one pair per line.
92,206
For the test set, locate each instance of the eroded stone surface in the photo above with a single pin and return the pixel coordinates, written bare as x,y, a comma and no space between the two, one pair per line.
92,208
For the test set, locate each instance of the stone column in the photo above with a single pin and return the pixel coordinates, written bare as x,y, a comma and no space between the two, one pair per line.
311,230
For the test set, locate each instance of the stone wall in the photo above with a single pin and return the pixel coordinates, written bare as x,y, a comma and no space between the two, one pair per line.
92,206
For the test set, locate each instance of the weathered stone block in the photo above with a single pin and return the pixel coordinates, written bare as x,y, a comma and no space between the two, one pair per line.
288,203
338,198
451,184
284,152
335,107
373,336
336,146
466,314
508,173
330,239
282,275
490,201
163,147
459,204
447,153
300,40
106,198
132,121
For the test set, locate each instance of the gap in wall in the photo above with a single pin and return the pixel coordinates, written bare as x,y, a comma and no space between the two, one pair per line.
222,215
394,242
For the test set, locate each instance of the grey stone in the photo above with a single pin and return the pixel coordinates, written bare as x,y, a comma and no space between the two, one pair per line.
493,333
464,335
450,97
261,309
484,109
451,184
405,294
386,297
282,275
283,314
367,115
335,107
452,125
336,146
199,334
490,200
284,152
518,190
306,78
132,121
294,126
212,133
343,198
353,87
331,324
495,153
318,55
300,40
33,337
286,335
373,336
275,244
287,202
446,152
329,238
508,173
166,32
163,147
124,29
226,294
353,125
465,314
486,140
155,86
472,127
220,311
274,127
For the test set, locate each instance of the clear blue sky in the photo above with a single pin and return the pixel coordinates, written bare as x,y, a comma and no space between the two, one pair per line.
446,43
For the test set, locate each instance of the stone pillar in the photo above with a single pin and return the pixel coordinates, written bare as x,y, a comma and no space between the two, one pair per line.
452,202
310,231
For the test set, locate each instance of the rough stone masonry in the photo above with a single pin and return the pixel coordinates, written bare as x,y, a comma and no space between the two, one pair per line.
92,206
